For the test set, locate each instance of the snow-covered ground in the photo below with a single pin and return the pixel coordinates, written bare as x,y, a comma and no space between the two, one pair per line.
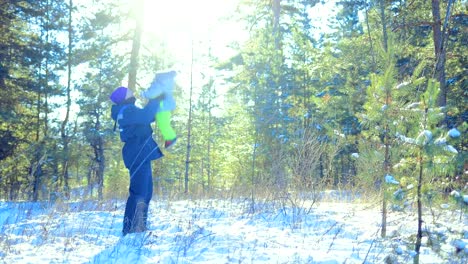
224,231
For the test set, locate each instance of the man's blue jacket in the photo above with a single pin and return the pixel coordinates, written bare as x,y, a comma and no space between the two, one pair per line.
136,132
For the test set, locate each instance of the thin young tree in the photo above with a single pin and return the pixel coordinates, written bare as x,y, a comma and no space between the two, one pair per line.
388,96
64,133
381,109
189,127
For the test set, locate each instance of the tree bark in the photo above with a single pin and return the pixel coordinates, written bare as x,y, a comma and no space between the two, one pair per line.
276,5
439,50
384,25
439,72
189,130
101,166
370,39
63,132
133,68
209,138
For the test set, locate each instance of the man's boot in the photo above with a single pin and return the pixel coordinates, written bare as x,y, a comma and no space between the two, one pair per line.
139,223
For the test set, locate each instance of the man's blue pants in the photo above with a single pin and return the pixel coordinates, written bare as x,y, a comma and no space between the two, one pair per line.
140,193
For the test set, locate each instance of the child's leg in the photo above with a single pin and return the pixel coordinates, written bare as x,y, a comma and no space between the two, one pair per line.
163,119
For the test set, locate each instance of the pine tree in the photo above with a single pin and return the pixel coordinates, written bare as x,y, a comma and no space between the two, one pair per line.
16,102
104,72
382,109
64,127
428,148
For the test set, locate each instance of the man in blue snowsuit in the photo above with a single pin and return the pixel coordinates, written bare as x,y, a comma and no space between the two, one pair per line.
138,151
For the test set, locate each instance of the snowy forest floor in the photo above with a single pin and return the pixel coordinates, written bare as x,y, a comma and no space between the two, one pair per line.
227,231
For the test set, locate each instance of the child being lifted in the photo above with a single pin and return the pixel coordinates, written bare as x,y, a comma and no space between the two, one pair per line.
162,88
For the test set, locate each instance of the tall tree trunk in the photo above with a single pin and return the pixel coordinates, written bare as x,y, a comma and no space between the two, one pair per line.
254,163
370,39
384,25
189,130
439,50
209,139
63,132
276,5
89,178
101,166
99,141
36,171
99,161
439,72
133,68
35,165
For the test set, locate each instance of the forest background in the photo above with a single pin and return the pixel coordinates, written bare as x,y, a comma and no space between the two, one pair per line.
290,109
